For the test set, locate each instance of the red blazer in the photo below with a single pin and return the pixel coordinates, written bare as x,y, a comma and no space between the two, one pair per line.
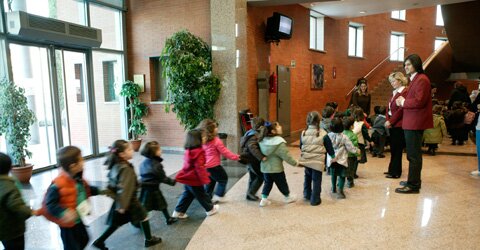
397,112
417,108
193,172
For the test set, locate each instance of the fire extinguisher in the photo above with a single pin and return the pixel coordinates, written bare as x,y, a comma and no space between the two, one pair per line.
272,81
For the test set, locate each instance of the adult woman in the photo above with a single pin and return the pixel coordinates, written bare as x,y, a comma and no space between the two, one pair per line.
361,97
417,116
394,123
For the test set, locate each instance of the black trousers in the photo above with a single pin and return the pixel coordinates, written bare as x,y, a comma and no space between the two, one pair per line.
379,141
279,179
15,243
413,142
255,180
217,174
397,144
74,238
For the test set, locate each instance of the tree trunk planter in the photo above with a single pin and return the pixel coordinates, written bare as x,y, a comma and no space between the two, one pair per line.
23,174
136,144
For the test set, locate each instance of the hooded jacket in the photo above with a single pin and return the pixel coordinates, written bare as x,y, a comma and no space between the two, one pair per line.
193,172
250,147
435,134
13,211
213,150
342,146
275,148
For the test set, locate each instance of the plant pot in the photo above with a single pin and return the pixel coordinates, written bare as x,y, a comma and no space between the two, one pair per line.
23,174
136,144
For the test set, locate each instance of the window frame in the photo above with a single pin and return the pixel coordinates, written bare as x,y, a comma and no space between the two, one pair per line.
153,80
317,16
398,35
111,66
399,16
443,39
358,27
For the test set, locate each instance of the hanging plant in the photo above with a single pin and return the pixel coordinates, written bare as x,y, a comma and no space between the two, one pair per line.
192,89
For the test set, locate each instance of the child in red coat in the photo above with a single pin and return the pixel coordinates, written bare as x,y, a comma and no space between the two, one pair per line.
194,176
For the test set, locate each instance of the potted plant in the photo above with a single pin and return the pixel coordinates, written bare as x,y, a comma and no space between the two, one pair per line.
136,110
15,121
192,89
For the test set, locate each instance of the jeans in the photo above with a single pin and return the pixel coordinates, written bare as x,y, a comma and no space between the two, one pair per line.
279,179
255,180
413,141
194,192
312,186
477,142
14,244
74,238
397,144
217,174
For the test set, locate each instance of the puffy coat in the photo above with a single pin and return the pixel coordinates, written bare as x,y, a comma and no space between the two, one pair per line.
193,172
435,134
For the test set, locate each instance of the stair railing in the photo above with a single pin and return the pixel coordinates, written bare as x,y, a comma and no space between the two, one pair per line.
375,68
434,54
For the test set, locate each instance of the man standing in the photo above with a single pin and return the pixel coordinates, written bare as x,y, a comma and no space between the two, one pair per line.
417,116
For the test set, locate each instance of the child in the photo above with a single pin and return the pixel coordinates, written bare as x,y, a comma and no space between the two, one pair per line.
194,175
249,145
327,115
380,133
13,211
275,148
339,163
314,144
151,175
214,148
122,181
352,161
66,200
361,130
433,136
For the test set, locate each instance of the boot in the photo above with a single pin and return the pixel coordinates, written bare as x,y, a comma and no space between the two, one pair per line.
149,239
341,194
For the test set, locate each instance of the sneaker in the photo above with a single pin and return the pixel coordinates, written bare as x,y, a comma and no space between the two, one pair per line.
100,245
264,202
217,199
252,197
290,199
475,173
179,215
153,241
213,211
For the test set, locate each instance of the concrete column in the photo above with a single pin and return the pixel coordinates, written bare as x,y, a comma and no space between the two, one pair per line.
225,16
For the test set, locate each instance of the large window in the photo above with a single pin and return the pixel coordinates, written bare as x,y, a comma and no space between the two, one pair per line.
3,64
67,10
439,21
109,21
397,44
108,75
355,40
158,83
399,14
439,41
316,31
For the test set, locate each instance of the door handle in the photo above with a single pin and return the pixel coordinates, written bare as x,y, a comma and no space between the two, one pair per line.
279,103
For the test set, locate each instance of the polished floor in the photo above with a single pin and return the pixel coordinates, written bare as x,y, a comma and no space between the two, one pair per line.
445,215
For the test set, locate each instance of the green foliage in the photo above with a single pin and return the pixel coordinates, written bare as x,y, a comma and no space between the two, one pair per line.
15,120
136,109
192,90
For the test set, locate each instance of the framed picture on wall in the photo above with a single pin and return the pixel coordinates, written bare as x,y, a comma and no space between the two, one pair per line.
316,79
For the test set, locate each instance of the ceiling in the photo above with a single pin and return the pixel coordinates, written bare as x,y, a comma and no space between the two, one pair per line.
339,9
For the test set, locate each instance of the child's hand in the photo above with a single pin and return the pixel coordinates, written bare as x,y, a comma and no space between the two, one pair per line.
69,216
334,160
264,158
36,212
121,210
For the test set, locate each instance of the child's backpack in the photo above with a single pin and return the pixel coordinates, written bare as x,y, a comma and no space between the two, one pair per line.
469,117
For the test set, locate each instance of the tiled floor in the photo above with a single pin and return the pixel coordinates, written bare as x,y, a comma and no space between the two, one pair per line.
445,215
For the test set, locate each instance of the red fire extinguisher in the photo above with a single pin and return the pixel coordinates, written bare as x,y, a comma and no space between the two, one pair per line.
272,81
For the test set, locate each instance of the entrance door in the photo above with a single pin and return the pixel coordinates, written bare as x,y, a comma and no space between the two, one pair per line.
71,68
283,98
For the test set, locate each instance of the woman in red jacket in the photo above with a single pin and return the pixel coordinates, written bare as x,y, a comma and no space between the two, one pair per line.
394,123
417,116
194,175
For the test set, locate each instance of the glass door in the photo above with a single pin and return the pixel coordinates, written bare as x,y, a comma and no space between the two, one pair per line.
30,67
72,78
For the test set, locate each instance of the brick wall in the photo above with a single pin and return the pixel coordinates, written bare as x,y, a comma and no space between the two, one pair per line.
149,24
420,32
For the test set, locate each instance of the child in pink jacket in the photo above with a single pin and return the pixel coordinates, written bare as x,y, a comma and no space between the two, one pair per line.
214,149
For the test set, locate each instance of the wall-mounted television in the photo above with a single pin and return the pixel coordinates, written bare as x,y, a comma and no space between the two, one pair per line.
279,26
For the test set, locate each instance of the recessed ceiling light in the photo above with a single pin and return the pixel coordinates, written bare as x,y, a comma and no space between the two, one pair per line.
363,12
